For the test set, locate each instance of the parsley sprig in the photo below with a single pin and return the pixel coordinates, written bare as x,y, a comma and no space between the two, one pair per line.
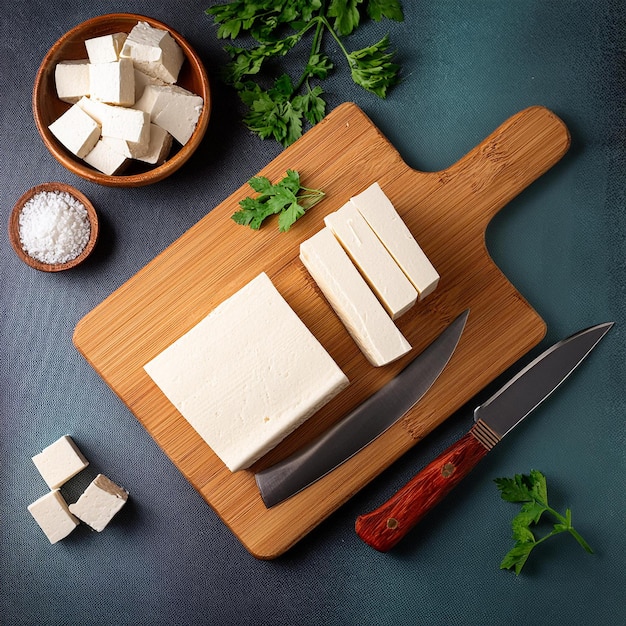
287,198
281,110
532,490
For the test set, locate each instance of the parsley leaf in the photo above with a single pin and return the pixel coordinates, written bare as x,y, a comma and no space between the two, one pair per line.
532,490
287,198
281,110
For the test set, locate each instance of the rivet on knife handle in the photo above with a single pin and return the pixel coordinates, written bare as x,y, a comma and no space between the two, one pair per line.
499,415
386,526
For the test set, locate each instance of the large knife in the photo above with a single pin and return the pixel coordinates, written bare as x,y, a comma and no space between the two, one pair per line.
364,424
494,419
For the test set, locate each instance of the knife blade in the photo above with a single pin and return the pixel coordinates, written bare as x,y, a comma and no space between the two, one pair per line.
384,527
364,424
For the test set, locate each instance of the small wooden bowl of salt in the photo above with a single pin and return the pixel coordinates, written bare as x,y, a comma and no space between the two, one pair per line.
53,227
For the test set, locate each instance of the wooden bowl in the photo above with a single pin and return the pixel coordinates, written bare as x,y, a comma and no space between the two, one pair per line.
14,228
47,107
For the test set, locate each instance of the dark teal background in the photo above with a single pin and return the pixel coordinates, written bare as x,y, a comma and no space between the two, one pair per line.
167,558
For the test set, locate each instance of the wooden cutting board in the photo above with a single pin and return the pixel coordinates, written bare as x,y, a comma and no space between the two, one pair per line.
447,211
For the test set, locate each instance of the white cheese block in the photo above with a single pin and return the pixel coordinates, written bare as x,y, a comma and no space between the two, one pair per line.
354,302
99,502
248,374
141,80
154,51
119,122
76,130
113,83
382,216
106,159
72,80
129,149
159,148
105,49
53,516
58,462
173,108
377,266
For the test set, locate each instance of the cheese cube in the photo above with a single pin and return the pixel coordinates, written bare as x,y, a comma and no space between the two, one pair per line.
141,80
72,80
159,148
60,461
53,516
99,502
248,374
354,302
382,216
105,159
113,83
173,108
105,49
120,122
76,130
154,51
377,266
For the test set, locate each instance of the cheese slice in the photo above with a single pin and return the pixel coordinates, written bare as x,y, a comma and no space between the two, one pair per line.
350,296
377,266
382,216
248,374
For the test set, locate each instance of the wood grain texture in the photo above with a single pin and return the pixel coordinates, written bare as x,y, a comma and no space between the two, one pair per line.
447,211
384,527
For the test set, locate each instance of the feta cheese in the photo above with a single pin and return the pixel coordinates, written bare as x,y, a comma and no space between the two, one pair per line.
106,159
173,108
99,502
76,130
248,374
377,266
120,122
53,516
159,148
154,51
142,80
60,461
105,49
354,302
382,216
72,80
113,83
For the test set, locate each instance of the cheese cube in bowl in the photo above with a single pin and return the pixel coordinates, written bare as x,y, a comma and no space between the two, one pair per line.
48,107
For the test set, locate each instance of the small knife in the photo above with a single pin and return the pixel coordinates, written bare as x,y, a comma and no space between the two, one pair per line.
364,424
386,526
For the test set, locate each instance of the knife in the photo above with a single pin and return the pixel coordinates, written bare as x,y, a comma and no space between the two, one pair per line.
364,424
384,527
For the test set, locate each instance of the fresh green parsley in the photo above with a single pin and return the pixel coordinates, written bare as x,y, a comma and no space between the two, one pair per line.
280,111
532,490
287,198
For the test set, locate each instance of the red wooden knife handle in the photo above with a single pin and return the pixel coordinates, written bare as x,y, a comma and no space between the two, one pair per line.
387,525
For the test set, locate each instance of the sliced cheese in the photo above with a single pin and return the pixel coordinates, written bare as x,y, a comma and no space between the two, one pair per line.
377,266
350,296
247,374
382,216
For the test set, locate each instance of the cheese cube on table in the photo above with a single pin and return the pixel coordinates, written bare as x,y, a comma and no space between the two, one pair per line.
377,266
53,516
385,221
352,299
113,83
173,108
72,80
154,51
60,461
118,122
105,49
76,130
99,502
159,148
105,159
248,374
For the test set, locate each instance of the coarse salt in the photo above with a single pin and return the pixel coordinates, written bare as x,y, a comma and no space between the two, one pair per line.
54,227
